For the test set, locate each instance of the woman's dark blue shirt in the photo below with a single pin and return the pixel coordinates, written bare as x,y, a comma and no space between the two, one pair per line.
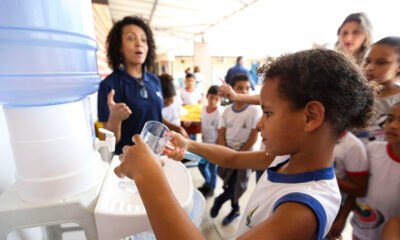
127,90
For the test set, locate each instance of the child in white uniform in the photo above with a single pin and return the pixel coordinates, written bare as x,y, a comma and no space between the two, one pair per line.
351,170
308,98
172,105
210,117
190,95
238,131
382,200
382,64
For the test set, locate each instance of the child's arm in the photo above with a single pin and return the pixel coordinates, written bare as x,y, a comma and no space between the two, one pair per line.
391,231
219,155
251,141
167,218
227,91
175,128
172,222
355,185
290,220
250,99
221,136
341,218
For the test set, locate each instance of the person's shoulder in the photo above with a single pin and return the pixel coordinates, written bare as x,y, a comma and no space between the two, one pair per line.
253,110
152,77
254,107
376,145
227,108
110,80
351,140
220,109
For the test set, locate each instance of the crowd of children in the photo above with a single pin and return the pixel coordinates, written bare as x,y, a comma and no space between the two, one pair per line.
367,168
317,110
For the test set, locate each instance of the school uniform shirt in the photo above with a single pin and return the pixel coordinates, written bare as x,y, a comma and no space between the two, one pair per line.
127,90
350,157
190,97
382,201
239,124
210,123
172,112
317,189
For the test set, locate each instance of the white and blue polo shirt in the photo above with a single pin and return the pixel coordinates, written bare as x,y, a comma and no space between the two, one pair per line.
127,90
318,190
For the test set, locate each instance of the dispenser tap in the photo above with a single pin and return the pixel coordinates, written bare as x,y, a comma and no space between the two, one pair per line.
106,147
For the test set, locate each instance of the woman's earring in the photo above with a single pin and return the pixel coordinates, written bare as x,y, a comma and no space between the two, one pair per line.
121,64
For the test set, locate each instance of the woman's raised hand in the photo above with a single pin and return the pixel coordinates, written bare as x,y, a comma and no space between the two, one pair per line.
118,111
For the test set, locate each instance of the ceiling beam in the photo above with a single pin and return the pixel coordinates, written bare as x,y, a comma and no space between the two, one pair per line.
100,1
153,9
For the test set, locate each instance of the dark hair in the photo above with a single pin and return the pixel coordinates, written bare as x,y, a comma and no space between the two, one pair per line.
239,78
238,59
196,69
190,75
362,19
114,42
394,42
329,77
167,85
213,90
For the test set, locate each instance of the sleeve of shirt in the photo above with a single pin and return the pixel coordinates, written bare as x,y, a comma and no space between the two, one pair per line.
102,107
313,204
356,162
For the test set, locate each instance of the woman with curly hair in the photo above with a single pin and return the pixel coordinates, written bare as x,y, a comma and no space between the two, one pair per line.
130,96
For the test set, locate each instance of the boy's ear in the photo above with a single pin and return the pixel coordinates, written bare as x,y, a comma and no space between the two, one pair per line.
315,115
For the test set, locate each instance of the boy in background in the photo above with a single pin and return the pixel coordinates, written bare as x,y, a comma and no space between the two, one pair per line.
190,95
210,119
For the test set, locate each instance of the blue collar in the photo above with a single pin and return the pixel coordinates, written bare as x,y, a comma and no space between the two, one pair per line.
322,174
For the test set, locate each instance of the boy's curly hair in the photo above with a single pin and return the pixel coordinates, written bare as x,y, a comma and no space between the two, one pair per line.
328,77
114,42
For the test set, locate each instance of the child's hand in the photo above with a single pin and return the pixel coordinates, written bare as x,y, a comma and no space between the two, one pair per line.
135,159
187,123
118,111
226,91
337,228
183,132
177,151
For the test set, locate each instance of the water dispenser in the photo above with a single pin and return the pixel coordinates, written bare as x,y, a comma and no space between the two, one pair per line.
47,70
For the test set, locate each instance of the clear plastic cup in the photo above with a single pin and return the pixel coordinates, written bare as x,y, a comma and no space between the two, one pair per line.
156,135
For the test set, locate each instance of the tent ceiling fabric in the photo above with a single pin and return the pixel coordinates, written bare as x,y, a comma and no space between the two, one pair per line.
177,22
255,28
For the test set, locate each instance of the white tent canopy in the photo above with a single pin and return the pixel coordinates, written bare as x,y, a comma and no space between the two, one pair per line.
254,28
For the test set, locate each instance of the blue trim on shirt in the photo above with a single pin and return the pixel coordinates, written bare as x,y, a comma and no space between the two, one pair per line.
312,203
322,174
240,110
